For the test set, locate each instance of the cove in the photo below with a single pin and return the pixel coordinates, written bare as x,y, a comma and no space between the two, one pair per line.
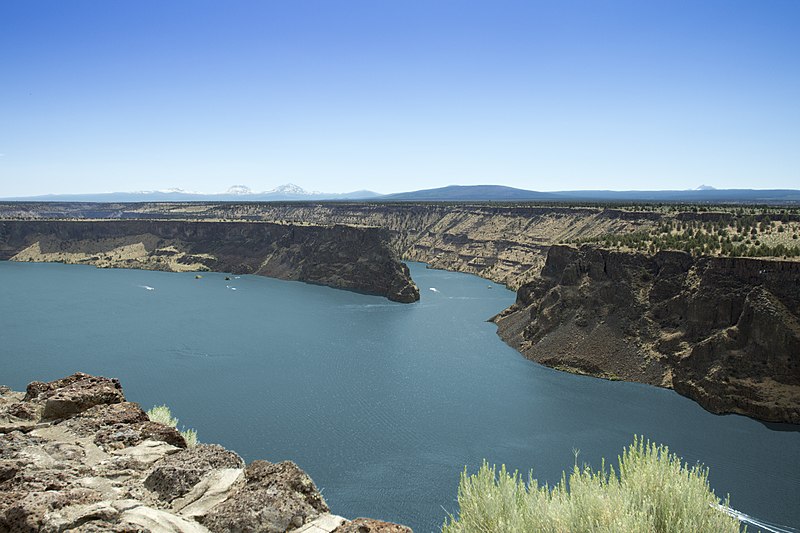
383,404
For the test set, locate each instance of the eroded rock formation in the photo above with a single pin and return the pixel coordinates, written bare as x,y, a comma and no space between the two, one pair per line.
503,243
722,331
75,455
359,259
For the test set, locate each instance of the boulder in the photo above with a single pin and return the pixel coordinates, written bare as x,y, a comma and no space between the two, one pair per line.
120,425
367,525
275,498
74,394
176,474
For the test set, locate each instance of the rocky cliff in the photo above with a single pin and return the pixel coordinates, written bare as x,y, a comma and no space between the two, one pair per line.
722,331
504,243
623,326
76,456
345,257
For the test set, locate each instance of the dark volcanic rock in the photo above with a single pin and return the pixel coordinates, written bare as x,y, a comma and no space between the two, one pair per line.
74,394
94,419
156,431
722,331
28,511
367,525
23,411
276,497
345,257
752,367
102,465
120,425
176,474
401,288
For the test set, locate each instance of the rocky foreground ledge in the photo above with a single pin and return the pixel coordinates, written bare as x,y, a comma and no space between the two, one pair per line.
75,455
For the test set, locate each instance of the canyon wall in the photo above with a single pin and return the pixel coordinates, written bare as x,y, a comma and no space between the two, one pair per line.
359,259
722,331
504,243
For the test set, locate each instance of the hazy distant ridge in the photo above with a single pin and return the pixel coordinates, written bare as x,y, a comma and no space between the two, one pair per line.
452,193
500,193
237,193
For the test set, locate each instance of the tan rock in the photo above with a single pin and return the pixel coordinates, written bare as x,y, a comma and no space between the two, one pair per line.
158,521
147,452
215,487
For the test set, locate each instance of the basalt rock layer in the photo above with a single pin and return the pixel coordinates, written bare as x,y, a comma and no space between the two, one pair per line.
722,331
503,243
338,256
101,465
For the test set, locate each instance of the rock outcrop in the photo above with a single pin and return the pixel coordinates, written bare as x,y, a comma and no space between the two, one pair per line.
722,331
503,243
358,259
97,463
366,525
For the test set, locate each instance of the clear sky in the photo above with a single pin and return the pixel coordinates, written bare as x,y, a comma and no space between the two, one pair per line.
394,95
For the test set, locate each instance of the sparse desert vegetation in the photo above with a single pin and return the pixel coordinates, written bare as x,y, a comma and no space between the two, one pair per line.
163,415
732,236
651,490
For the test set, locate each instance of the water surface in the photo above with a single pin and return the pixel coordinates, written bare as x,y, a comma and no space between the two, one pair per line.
383,404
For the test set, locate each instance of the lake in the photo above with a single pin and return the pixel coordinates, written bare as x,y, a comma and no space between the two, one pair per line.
383,404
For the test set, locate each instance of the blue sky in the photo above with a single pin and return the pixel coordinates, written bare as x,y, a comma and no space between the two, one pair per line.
398,95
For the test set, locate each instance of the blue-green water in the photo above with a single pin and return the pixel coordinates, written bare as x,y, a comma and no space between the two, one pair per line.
383,404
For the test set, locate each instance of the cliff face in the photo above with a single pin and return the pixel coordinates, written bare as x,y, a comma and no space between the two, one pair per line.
722,331
338,256
76,456
503,243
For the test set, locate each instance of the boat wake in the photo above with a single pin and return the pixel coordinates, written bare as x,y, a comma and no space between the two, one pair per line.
147,287
763,525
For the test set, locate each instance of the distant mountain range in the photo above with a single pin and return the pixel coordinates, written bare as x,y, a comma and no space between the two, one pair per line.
475,193
498,193
452,193
237,193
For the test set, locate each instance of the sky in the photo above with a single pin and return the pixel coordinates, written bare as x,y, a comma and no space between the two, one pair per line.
398,95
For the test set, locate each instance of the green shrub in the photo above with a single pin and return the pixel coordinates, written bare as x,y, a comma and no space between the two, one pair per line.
651,491
190,436
163,415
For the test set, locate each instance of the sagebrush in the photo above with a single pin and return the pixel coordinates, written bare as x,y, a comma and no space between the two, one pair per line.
650,491
163,415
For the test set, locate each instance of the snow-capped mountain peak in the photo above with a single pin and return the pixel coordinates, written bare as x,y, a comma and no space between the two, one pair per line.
239,190
290,188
